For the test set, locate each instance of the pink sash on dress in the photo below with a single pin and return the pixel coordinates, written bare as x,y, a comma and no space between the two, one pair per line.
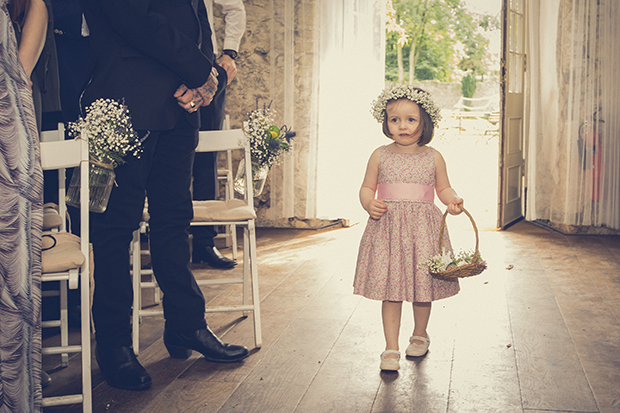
415,192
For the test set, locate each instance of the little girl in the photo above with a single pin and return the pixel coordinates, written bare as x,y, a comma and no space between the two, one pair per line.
403,230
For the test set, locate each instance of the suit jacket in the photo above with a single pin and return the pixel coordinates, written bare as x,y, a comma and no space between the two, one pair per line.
142,51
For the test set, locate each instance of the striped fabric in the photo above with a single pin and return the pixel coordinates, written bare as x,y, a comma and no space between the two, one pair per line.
21,219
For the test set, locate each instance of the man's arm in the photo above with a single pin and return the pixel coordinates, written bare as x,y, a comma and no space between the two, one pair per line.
234,17
153,35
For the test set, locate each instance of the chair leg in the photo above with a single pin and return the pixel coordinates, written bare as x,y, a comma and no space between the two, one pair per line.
233,237
64,322
85,313
137,291
258,340
246,269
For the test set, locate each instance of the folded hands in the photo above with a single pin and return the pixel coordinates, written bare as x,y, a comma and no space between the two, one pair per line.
191,99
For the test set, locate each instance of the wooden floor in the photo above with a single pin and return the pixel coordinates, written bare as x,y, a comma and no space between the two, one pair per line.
539,331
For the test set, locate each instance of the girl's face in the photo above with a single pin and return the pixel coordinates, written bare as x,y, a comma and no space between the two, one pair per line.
403,119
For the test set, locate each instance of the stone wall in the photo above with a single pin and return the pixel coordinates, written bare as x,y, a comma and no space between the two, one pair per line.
275,68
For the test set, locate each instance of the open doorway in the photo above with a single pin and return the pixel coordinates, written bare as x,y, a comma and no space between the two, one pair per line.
347,133
459,64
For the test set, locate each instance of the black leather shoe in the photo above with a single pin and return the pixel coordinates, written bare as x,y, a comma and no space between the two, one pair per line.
180,346
213,257
121,368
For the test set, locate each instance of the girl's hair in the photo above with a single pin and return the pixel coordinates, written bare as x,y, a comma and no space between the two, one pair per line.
426,124
18,8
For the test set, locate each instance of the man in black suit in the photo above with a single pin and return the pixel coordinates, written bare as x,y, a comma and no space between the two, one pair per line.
148,53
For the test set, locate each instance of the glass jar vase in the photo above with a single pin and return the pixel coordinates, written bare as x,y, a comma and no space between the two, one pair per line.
259,177
100,181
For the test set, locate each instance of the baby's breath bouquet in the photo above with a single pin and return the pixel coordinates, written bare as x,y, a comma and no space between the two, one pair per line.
110,134
107,126
268,143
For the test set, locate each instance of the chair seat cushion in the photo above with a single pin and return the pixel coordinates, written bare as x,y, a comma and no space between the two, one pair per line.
51,217
62,256
221,211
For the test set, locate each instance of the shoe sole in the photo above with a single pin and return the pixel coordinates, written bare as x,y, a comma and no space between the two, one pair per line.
389,368
184,353
228,267
416,355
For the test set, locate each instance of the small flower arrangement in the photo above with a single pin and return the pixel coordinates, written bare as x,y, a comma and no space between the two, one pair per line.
107,126
447,261
396,91
268,142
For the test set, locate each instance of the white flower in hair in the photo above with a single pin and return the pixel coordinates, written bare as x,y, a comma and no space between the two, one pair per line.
399,91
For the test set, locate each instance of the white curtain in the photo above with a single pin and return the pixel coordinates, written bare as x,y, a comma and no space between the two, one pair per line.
350,70
573,108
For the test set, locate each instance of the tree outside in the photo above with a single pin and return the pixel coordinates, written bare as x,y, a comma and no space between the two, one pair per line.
437,40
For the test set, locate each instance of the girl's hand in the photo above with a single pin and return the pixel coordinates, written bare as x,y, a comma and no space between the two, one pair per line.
456,206
376,208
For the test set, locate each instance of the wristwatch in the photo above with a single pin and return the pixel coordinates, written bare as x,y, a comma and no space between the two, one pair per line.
232,53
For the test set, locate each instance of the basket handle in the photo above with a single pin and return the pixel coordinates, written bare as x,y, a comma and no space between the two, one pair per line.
473,223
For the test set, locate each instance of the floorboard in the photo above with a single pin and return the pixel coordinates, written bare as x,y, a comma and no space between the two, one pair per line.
539,331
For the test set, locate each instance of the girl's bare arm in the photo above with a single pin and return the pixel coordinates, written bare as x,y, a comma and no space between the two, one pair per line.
446,194
375,207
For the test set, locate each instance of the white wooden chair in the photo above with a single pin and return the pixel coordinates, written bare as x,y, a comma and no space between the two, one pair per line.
230,233
238,212
68,261
225,174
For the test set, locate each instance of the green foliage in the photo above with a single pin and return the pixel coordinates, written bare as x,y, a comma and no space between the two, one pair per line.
435,30
468,85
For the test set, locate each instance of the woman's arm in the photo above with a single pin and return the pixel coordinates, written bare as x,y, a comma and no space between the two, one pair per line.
375,207
446,194
33,36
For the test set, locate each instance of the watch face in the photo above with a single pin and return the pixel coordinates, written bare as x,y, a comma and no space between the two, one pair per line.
231,53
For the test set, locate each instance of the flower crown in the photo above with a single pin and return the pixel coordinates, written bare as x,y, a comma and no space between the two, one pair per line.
400,91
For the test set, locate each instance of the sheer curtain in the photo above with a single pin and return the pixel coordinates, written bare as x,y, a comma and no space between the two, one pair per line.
573,108
350,65
326,64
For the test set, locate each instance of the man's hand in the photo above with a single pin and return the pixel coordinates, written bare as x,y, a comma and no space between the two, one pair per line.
191,99
228,64
207,91
187,99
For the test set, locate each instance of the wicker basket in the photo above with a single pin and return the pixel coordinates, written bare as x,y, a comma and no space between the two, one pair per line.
465,270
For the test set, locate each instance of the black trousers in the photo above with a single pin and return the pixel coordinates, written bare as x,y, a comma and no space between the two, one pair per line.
205,185
163,173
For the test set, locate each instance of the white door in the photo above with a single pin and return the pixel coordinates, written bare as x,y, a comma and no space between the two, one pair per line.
511,147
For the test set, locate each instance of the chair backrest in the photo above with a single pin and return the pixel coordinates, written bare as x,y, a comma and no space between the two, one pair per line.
66,154
224,140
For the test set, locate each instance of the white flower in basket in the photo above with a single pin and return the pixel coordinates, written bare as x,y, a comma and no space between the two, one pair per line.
448,261
463,264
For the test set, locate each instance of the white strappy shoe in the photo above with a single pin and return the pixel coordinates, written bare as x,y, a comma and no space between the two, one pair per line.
417,349
390,363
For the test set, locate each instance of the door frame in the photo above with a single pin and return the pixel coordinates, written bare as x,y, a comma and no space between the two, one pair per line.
511,192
